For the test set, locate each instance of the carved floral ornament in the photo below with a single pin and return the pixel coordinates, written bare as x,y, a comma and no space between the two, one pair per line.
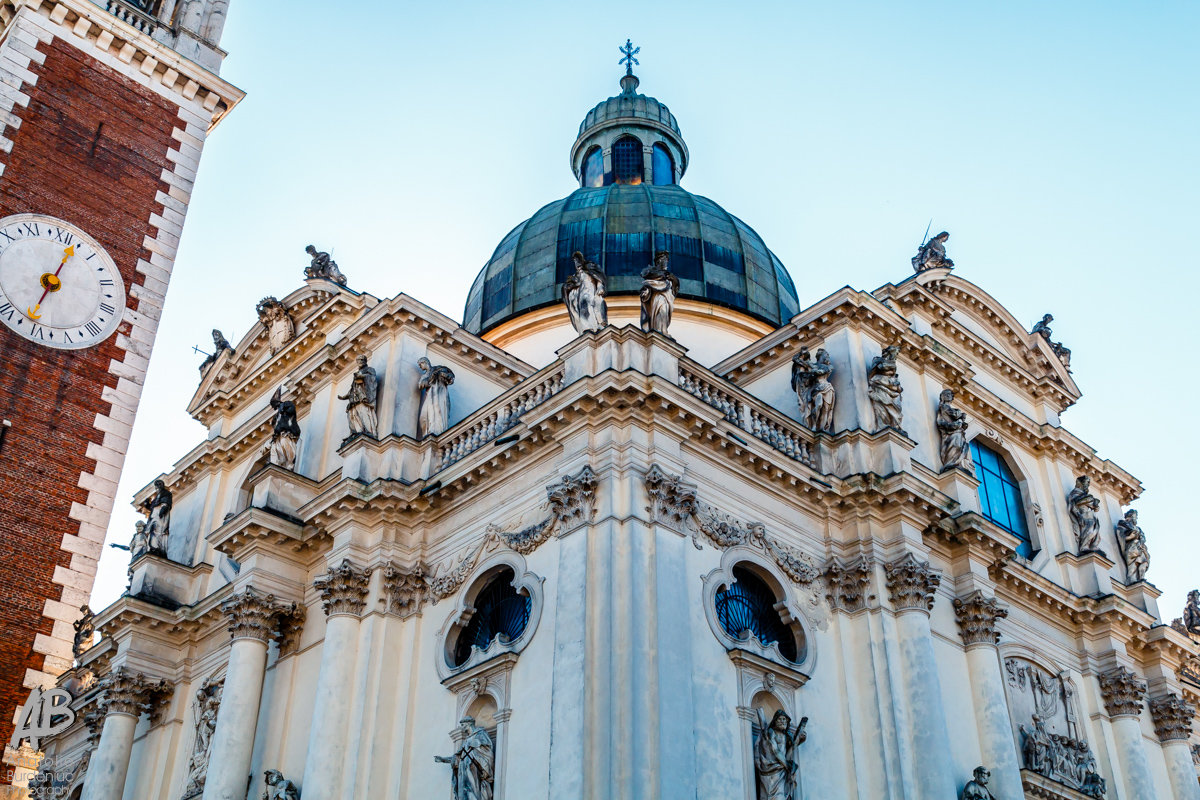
977,617
1172,717
911,584
344,589
132,693
1123,692
256,616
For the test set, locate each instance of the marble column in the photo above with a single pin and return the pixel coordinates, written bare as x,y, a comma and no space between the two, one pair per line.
1123,693
253,620
1173,724
911,586
344,595
978,616
126,696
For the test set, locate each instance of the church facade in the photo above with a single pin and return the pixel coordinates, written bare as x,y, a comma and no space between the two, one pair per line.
642,525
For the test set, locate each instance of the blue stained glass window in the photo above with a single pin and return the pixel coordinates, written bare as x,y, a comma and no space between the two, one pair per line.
748,606
663,166
500,613
593,168
628,164
1000,495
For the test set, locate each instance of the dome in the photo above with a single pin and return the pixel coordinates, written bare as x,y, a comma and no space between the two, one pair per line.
628,106
718,258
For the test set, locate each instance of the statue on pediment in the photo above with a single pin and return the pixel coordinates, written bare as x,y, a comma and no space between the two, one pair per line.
220,345
583,293
275,318
814,392
360,400
322,266
1042,328
1082,506
660,287
283,445
433,416
1134,550
932,254
884,390
1191,613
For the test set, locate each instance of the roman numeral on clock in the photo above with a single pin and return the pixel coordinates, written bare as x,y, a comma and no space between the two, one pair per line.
6,311
29,229
63,236
107,309
92,328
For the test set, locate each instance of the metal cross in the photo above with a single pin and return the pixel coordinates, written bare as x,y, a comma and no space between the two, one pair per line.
630,51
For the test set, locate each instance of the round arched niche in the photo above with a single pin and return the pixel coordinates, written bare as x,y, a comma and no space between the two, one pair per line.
503,574
744,562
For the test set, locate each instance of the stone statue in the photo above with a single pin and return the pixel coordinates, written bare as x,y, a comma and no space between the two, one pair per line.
140,544
279,787
814,392
1133,547
1035,747
323,266
208,702
158,518
660,287
884,390
434,414
583,292
775,755
932,254
976,789
1083,506
275,318
1191,613
85,629
220,345
360,400
1093,785
1042,328
952,427
285,432
473,765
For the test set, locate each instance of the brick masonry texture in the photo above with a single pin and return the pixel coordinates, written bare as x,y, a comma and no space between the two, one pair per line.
91,149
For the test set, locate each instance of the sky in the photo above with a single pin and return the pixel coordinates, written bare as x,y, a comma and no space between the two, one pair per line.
1057,142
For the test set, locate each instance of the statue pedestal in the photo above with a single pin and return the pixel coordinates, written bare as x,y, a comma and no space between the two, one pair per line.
1142,594
280,490
1089,574
163,582
961,485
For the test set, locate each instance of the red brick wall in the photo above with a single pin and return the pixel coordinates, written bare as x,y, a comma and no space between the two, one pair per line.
106,185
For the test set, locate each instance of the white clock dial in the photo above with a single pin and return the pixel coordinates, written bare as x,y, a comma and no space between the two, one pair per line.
58,287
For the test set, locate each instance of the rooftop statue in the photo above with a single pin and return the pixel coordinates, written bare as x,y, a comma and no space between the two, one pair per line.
433,417
279,787
360,400
884,390
285,433
976,789
1191,613
220,345
275,318
583,292
814,392
85,629
932,255
472,767
660,287
322,266
1042,328
1083,506
775,755
158,518
952,428
1132,541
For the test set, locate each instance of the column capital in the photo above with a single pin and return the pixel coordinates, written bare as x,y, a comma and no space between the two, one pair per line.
911,583
848,585
256,616
1172,717
977,616
1123,692
344,589
132,693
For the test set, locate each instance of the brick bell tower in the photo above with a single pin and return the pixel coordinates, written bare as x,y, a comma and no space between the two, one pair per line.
104,110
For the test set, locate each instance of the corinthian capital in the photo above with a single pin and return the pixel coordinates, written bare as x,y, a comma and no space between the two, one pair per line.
1172,717
977,616
255,616
1123,692
344,589
911,583
132,693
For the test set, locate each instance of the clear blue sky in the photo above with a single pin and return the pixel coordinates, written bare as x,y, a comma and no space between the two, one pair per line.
1056,142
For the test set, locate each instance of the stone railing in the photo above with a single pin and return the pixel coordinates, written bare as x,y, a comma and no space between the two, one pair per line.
137,13
474,433
789,438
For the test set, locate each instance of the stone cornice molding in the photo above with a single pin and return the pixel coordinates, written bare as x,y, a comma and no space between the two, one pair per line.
912,584
978,616
848,583
344,589
1172,718
1123,692
251,615
132,693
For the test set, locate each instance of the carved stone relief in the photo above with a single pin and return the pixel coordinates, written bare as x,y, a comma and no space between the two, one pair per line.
1050,740
275,318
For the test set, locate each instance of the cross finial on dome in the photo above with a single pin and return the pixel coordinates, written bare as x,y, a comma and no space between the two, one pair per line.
630,51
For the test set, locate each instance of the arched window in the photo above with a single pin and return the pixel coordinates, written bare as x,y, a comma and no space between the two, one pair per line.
627,162
662,166
1000,495
748,606
500,613
593,168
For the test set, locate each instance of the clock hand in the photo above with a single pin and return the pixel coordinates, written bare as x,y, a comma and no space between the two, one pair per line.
51,282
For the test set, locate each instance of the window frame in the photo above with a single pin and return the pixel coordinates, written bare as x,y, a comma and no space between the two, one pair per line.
1012,483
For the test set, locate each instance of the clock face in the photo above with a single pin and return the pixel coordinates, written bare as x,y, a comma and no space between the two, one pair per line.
58,287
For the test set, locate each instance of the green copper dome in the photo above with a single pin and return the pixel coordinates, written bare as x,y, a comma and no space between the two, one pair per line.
718,258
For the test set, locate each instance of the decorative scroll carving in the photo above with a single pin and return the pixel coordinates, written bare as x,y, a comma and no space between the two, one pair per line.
208,702
446,583
848,584
344,589
406,589
911,583
977,616
798,566
132,693
255,616
275,318
573,499
1172,717
1123,692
